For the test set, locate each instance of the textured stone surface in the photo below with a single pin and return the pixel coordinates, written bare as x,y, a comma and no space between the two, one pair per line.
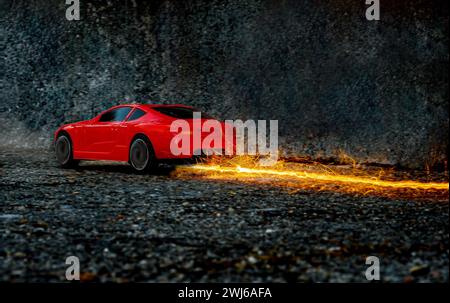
377,91
161,228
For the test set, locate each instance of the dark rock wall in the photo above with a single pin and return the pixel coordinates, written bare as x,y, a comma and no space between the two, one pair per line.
337,83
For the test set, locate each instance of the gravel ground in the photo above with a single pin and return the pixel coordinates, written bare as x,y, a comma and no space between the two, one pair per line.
158,228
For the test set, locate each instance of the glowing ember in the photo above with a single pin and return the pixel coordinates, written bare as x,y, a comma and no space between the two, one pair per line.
355,179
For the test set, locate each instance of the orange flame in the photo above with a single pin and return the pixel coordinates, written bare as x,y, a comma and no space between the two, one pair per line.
355,179
323,177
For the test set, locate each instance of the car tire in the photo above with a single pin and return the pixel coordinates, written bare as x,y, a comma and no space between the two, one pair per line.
141,155
64,151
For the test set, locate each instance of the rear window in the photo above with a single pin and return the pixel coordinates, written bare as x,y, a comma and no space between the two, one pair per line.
180,112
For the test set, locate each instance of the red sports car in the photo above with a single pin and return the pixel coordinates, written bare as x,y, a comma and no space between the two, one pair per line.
136,133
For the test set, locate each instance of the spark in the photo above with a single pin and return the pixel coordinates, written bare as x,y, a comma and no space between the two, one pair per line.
298,175
320,176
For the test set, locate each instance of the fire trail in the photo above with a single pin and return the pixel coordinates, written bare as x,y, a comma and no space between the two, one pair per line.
318,177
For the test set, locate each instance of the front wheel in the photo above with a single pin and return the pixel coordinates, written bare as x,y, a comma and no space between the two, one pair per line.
64,151
142,157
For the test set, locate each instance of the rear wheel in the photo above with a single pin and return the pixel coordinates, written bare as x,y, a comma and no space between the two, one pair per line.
64,151
141,156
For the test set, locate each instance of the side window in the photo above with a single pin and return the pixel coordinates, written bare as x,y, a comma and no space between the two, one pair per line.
136,114
115,115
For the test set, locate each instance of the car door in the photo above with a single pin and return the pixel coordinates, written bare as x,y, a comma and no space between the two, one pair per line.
125,132
102,134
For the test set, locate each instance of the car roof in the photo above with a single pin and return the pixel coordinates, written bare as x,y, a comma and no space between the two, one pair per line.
164,105
142,105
